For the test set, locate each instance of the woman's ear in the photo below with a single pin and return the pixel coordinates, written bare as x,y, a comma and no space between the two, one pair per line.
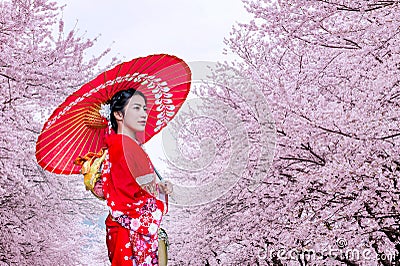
118,115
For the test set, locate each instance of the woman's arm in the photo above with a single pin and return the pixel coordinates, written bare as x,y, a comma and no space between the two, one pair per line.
129,205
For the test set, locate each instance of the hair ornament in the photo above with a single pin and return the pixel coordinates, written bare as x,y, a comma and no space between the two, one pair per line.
105,111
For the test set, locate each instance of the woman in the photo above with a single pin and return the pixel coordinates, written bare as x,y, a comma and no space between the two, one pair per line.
135,197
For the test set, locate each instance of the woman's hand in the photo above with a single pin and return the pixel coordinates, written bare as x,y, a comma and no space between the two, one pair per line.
166,187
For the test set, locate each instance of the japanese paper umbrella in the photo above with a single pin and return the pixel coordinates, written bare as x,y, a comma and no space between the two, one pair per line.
76,126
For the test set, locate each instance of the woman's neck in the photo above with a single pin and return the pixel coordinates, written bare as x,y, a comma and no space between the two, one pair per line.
132,135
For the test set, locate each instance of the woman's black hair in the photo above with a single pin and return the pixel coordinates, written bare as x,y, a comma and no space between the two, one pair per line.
118,103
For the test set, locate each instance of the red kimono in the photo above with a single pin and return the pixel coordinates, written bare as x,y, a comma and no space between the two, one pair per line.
131,191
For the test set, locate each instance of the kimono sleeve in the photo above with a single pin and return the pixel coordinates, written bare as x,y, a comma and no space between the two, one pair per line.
136,159
143,215
127,166
125,186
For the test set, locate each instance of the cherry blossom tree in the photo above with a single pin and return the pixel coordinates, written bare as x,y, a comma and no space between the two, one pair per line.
45,219
329,71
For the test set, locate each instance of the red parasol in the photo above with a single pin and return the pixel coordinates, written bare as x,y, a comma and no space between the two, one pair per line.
76,126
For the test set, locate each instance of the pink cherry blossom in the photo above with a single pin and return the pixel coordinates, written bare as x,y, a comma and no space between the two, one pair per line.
45,219
329,73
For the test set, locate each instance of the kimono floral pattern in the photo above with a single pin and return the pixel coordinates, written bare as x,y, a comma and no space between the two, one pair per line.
135,215
150,218
145,247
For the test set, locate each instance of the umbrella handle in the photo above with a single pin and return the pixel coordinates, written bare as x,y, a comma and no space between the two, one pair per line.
161,179
159,176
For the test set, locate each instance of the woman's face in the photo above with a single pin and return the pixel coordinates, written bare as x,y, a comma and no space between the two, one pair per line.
135,116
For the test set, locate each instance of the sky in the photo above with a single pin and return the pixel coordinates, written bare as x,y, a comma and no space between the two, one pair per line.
192,30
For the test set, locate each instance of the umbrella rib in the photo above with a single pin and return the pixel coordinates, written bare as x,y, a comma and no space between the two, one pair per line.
116,88
74,152
97,138
147,59
61,141
61,149
72,122
103,75
183,90
91,144
68,142
78,115
160,58
172,75
146,68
